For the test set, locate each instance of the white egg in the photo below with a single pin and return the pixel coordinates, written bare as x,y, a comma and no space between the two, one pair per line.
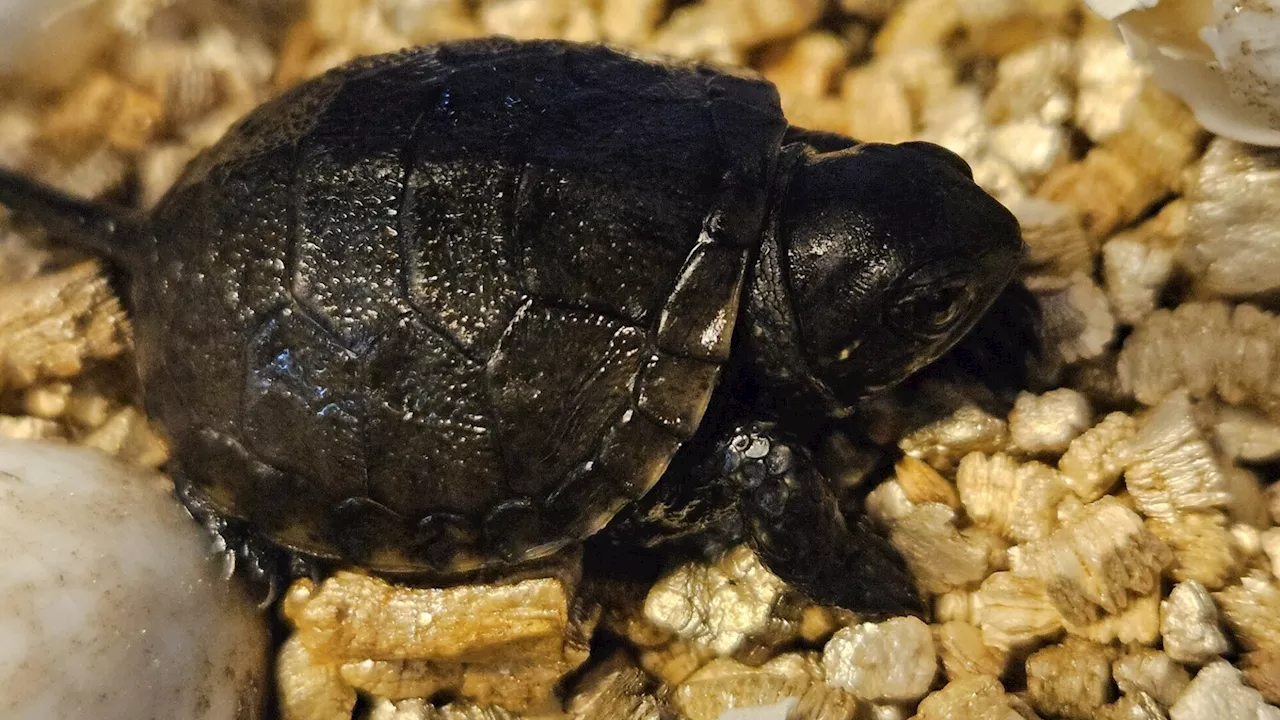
112,605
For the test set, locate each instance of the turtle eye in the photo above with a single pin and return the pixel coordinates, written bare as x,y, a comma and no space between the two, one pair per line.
931,311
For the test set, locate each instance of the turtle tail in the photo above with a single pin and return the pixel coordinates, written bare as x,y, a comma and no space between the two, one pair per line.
110,231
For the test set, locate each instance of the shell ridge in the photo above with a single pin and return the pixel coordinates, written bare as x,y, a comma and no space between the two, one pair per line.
407,274
508,469
293,252
408,166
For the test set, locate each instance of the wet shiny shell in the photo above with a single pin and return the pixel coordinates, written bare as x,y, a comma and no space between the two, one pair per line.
455,306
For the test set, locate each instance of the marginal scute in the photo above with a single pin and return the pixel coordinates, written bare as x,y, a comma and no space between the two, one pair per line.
364,527
635,453
439,538
586,500
699,317
675,391
515,529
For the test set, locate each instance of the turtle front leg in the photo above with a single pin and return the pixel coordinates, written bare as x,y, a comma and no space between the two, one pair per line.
792,520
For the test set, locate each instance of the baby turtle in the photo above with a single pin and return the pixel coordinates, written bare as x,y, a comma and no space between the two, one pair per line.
456,308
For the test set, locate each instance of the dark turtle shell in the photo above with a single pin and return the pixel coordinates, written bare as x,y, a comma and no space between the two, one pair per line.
455,306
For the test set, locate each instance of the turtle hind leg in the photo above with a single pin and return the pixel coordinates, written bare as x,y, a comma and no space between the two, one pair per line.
266,568
792,520
105,230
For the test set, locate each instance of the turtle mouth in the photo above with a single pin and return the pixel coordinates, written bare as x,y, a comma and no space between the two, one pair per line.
842,355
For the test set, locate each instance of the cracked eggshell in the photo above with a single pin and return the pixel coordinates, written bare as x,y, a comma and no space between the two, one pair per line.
113,599
1221,57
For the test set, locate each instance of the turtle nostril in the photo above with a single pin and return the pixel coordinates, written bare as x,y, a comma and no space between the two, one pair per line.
942,154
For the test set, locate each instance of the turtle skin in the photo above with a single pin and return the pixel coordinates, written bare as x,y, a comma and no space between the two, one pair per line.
455,307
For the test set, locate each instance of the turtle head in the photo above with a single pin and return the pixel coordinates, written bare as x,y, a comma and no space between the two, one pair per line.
892,253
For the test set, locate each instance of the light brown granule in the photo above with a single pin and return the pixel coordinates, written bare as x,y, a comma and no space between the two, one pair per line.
502,644
1071,680
1097,563
893,661
1252,611
940,557
1148,671
974,698
419,709
101,109
674,661
1032,83
1209,348
1033,148
1233,242
52,325
888,503
30,428
921,483
1015,500
877,105
1172,467
724,684
918,23
969,429
1133,706
1056,243
1047,423
1244,434
1202,547
1137,623
1095,460
614,690
1217,692
1106,188
1077,320
964,653
1138,264
128,435
1013,612
730,606
1191,625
